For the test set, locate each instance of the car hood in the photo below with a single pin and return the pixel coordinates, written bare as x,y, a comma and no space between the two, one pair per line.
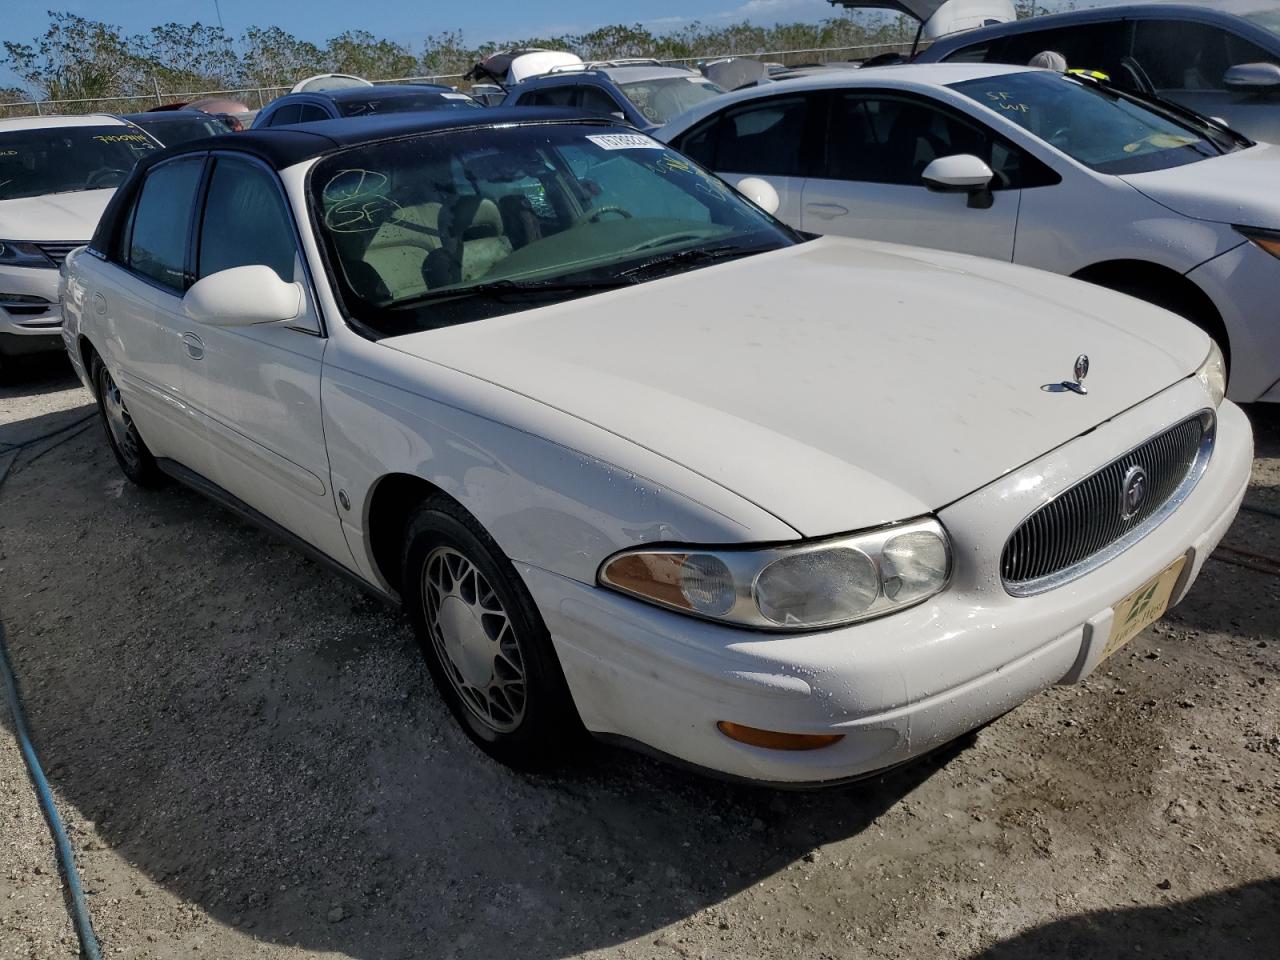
56,216
1237,187
838,384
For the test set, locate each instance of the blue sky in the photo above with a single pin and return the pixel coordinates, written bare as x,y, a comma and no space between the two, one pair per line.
407,21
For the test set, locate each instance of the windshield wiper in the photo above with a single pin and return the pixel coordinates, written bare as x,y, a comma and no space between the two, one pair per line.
690,256
517,288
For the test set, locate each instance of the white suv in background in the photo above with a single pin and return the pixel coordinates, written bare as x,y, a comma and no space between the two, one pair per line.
56,176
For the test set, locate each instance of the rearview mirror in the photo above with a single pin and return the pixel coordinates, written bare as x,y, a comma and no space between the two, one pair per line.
961,173
241,297
1252,78
761,193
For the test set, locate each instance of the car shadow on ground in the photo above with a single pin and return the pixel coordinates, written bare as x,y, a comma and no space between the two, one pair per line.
1241,923
260,739
37,375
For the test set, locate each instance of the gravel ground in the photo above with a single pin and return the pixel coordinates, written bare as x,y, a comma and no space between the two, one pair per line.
253,764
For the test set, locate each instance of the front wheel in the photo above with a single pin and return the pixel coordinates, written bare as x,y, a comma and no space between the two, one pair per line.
484,641
126,443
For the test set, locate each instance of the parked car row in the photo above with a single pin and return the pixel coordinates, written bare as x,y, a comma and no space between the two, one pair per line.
643,460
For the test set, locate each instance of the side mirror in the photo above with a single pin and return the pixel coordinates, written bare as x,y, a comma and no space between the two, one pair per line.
241,297
761,193
961,173
1252,78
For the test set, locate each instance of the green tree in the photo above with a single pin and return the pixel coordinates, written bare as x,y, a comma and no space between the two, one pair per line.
273,57
181,57
361,53
75,58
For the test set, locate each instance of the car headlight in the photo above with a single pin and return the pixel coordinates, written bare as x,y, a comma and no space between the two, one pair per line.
18,253
1268,240
1213,374
802,586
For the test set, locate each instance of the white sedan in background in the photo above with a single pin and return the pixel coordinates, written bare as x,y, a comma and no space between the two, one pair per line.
636,459
1038,168
56,176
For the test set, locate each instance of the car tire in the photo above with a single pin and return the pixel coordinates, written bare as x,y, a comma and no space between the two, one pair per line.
126,443
485,643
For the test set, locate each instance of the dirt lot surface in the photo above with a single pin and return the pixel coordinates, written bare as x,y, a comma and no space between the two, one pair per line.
253,764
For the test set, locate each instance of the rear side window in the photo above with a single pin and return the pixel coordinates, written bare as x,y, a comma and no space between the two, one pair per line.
157,244
1178,55
245,222
549,97
764,137
1089,46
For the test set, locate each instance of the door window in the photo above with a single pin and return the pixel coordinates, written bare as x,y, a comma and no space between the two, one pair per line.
1180,55
1089,46
310,113
879,139
764,137
561,96
157,246
289,113
246,222
593,98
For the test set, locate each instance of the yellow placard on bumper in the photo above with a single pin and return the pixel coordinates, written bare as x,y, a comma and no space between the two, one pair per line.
1143,607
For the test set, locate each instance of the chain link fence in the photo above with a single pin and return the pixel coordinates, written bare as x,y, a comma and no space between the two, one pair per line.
257,97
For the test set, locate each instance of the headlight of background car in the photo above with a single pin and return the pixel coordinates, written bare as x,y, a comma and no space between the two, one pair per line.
1213,374
803,586
16,253
1268,240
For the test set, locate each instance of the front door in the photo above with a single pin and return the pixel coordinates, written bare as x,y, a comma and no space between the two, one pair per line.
870,184
256,389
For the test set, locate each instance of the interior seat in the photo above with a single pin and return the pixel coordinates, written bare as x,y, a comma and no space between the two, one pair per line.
473,239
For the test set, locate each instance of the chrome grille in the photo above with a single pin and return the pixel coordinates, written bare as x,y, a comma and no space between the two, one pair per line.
1086,524
57,250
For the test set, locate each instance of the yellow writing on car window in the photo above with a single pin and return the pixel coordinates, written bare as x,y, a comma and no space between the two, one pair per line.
121,138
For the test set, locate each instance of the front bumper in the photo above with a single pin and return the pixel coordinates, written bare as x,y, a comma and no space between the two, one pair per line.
1242,283
30,328
902,685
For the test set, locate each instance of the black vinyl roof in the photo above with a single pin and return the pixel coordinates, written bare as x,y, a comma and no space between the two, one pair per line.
282,147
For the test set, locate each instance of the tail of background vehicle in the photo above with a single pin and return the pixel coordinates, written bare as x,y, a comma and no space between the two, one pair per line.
941,17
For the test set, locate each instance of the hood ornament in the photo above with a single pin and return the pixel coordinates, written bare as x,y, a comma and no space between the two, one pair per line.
1081,370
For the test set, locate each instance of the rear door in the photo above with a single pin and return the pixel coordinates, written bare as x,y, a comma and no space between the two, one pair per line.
773,138
878,145
137,298
256,389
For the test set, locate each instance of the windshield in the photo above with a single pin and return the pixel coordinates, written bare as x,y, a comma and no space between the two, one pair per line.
406,103
460,225
660,100
1268,19
1103,128
173,129
63,159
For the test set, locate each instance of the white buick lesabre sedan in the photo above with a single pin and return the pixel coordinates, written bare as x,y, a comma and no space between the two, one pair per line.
634,457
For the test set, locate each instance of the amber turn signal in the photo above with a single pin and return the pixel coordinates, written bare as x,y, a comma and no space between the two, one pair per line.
773,740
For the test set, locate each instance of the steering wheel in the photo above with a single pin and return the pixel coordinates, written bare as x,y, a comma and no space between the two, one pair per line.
92,181
591,216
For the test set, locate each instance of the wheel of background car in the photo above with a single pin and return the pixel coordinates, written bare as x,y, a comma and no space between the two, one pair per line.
93,181
591,216
126,443
487,648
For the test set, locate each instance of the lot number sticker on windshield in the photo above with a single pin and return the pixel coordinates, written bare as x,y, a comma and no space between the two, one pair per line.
625,141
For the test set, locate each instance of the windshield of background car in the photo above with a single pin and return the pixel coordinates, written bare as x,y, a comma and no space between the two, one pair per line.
406,103
1103,128
662,99
173,130
416,229
65,159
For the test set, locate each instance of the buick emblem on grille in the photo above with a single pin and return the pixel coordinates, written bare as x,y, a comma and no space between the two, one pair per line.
1081,370
1133,492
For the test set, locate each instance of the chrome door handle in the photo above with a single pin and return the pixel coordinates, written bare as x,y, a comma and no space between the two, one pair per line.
194,345
828,211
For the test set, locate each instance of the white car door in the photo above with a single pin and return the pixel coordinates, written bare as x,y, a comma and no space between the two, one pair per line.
135,296
256,389
869,183
763,138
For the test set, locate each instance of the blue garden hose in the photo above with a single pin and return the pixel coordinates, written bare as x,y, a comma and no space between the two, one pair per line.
79,909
